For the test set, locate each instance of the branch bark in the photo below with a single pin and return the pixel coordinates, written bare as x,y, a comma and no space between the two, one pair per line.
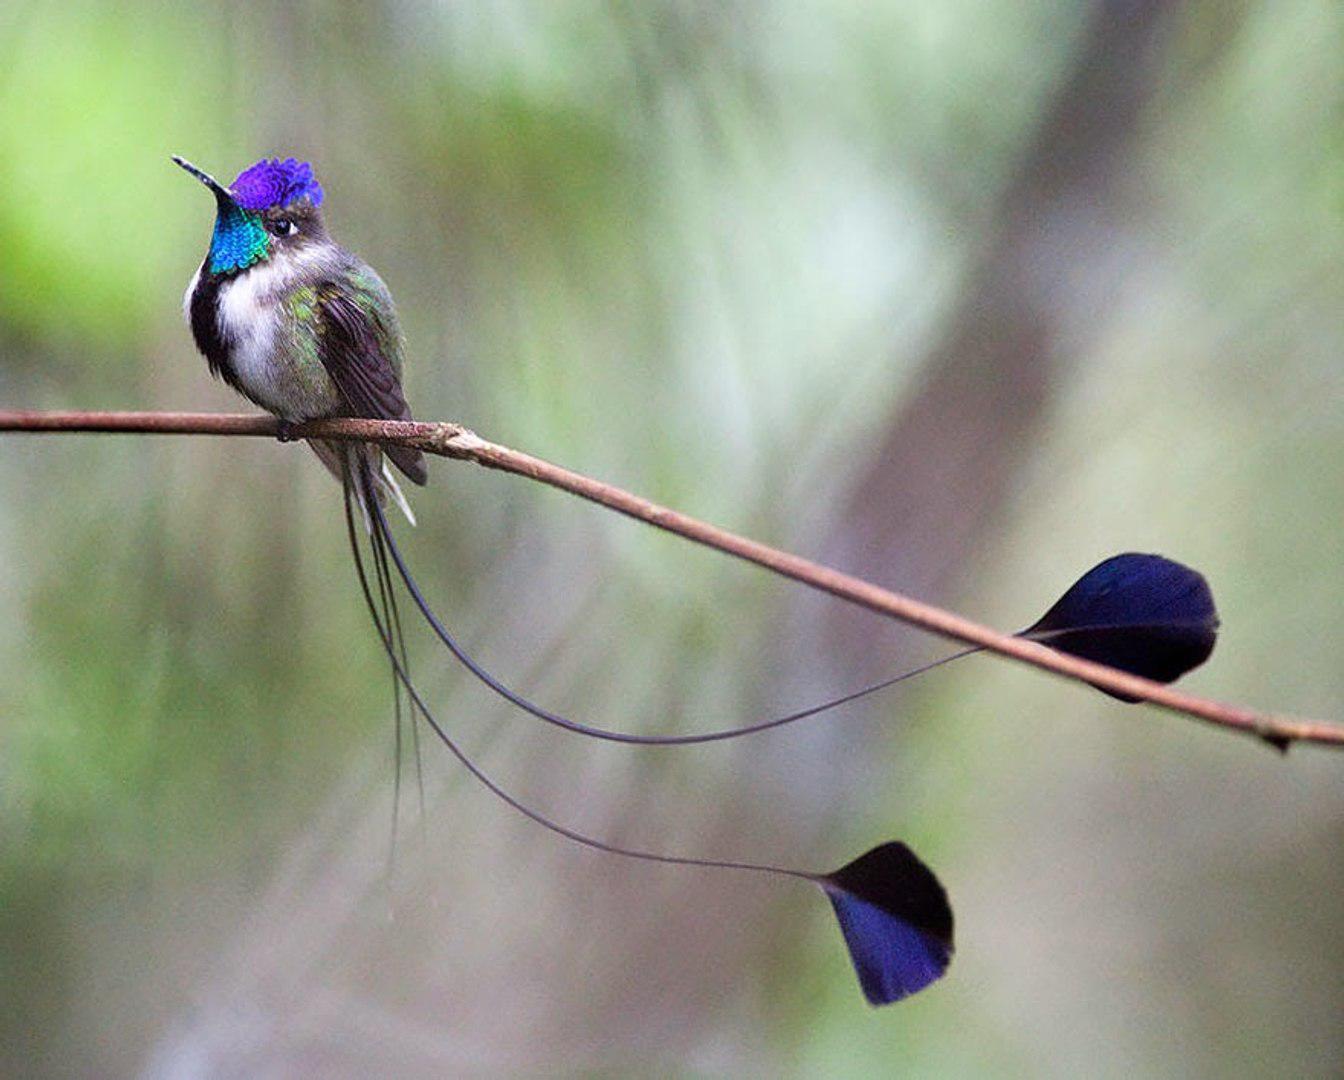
463,444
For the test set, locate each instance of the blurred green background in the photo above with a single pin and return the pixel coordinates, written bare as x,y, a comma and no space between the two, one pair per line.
961,297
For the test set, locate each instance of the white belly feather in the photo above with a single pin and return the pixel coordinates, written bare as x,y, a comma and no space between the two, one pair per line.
248,322
259,331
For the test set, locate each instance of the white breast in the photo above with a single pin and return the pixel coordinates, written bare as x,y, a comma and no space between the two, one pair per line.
258,330
248,319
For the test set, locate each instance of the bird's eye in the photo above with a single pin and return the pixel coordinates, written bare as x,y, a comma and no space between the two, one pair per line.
282,227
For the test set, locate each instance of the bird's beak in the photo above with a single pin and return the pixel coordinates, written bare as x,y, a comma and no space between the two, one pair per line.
221,192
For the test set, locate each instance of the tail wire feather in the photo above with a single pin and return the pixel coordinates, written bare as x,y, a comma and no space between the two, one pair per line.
380,528
392,619
384,594
387,602
385,636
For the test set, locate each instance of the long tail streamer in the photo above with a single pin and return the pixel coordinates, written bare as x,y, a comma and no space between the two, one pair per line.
1142,613
892,911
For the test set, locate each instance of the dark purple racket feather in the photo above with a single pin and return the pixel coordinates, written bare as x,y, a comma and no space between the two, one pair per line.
896,921
1145,614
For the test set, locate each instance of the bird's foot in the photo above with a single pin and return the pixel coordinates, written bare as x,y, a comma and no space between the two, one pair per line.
284,430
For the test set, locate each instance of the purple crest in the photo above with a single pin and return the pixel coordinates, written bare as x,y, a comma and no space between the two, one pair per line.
276,183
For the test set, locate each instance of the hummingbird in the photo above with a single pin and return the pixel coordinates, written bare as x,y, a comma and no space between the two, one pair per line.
307,330
303,328
296,323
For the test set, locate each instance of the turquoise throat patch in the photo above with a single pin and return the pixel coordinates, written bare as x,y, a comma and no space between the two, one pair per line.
239,241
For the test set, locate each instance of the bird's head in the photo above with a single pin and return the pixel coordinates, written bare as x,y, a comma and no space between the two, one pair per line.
271,207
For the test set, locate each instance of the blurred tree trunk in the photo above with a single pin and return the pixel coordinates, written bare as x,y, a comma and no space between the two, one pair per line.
946,466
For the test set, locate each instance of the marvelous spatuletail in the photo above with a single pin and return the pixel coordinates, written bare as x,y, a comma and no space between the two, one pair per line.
306,330
303,328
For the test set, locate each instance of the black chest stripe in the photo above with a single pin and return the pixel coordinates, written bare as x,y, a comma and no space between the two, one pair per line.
205,327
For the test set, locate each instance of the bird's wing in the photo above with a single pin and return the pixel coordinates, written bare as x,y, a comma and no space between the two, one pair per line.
360,349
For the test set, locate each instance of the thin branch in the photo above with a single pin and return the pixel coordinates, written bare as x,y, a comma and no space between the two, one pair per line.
456,441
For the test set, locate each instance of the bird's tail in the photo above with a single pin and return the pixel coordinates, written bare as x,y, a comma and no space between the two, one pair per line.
351,463
893,912
366,481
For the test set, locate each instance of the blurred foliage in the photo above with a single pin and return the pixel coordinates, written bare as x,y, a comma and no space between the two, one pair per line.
703,251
